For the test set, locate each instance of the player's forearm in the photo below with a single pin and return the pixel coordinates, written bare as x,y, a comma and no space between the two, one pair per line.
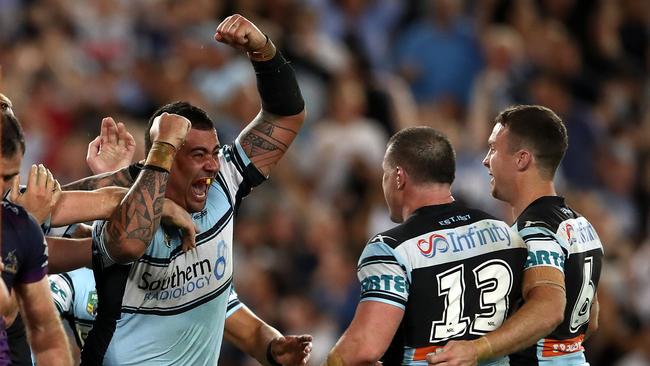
542,312
135,220
49,344
250,334
68,254
120,178
350,351
268,136
82,206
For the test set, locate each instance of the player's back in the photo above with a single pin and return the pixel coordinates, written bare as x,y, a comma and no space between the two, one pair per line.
559,237
455,271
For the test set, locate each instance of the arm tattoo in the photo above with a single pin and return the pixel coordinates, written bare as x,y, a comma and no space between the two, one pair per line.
138,216
266,140
120,178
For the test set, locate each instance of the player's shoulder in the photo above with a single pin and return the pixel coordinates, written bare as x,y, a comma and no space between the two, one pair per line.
17,217
547,212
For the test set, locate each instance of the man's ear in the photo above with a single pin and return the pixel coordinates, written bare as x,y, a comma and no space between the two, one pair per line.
523,159
400,177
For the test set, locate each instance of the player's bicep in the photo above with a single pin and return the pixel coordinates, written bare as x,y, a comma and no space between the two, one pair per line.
267,138
371,331
545,277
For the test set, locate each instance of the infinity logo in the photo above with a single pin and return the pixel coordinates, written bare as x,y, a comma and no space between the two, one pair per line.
435,242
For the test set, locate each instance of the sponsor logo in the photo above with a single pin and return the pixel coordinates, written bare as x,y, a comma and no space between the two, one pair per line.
570,236
468,238
545,257
385,283
429,246
181,282
91,303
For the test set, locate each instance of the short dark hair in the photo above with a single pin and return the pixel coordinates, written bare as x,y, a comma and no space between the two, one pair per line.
13,139
425,153
196,115
539,129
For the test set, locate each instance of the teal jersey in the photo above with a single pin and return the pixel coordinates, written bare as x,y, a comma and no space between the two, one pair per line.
75,298
169,307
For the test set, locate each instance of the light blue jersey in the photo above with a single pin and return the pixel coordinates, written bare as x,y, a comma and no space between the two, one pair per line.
169,307
75,298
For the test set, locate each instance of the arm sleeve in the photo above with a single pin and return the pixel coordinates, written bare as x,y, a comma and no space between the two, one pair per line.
544,248
383,275
233,302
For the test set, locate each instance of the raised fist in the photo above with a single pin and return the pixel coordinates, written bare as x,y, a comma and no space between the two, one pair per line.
170,128
239,32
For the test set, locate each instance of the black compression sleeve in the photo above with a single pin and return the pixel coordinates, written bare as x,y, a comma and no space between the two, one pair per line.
278,87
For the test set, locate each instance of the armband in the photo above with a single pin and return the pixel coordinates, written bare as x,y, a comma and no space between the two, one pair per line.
160,157
278,87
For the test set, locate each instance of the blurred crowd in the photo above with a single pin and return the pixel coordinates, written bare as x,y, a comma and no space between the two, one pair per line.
367,68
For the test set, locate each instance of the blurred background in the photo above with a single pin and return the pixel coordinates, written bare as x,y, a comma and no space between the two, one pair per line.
367,68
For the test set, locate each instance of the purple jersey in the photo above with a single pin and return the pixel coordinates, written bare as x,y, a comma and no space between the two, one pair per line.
24,252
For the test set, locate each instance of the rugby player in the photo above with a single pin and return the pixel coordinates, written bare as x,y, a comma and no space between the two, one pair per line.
564,252
446,272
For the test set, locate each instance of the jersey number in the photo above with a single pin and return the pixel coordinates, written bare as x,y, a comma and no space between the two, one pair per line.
494,279
582,307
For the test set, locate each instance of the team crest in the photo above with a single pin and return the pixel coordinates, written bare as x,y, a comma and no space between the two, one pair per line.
11,262
91,304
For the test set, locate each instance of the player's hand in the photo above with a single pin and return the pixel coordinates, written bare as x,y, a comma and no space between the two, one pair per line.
175,215
455,353
113,149
291,350
170,128
241,33
41,195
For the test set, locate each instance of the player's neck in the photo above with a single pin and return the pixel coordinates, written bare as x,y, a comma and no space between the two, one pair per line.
528,192
428,195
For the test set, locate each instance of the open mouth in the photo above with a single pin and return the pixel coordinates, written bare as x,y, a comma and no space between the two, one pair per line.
200,188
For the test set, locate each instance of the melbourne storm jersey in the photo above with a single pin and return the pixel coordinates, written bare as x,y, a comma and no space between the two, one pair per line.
456,272
559,237
169,307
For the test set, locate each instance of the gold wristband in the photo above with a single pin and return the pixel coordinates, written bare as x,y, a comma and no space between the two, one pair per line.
264,53
483,348
161,155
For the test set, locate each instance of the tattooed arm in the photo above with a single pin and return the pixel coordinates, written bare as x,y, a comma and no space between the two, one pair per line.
120,178
135,220
268,137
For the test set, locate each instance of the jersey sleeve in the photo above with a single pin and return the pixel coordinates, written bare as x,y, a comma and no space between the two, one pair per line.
383,275
233,302
34,248
62,291
238,172
544,248
100,254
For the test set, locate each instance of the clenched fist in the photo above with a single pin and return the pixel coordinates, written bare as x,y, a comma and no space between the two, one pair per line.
170,128
241,33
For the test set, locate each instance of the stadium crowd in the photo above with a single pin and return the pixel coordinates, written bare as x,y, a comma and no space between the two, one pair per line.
367,68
